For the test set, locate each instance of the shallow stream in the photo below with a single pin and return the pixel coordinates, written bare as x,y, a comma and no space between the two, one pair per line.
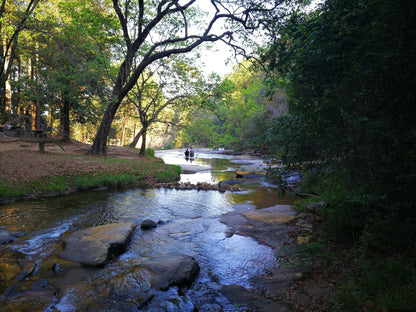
190,226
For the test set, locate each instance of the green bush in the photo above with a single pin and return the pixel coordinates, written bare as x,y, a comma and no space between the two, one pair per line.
150,152
387,284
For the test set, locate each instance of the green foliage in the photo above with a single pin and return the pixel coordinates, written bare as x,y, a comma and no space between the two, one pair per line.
232,112
350,70
380,284
306,254
62,65
342,78
201,131
150,152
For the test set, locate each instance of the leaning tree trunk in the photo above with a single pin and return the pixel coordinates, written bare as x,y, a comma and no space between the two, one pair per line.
99,146
136,138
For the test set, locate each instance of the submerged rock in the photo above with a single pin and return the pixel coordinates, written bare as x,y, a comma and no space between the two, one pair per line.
39,295
229,182
251,171
170,301
96,245
5,237
192,168
8,236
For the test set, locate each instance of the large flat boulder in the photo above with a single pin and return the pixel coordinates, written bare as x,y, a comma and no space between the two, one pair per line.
267,225
276,214
95,246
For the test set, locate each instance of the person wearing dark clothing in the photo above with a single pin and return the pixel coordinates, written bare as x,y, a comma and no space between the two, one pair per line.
186,153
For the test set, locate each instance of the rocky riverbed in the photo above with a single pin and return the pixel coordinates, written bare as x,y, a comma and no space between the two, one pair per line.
278,227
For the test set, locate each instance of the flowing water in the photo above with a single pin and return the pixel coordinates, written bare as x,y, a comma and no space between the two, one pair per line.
191,226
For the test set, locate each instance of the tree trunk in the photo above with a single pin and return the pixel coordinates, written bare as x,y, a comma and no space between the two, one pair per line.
65,120
3,103
136,138
99,146
123,132
8,100
143,148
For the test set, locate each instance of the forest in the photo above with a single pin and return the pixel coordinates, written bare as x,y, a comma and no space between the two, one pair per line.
329,90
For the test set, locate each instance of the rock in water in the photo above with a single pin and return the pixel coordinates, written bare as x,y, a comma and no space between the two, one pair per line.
172,270
229,182
148,224
5,237
251,171
96,245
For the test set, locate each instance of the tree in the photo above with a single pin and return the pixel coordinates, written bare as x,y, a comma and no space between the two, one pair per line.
352,113
349,68
62,64
77,57
70,40
155,30
176,81
235,110
13,20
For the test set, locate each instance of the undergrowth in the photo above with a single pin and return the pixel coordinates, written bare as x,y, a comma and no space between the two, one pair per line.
379,231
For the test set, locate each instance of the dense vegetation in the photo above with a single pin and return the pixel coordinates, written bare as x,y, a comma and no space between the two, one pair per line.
336,100
350,70
232,113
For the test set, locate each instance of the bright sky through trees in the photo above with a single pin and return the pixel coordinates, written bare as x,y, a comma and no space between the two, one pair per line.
219,58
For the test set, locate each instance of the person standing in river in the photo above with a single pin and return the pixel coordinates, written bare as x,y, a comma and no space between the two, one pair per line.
192,153
187,153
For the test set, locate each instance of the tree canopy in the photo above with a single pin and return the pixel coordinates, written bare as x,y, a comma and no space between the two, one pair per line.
154,30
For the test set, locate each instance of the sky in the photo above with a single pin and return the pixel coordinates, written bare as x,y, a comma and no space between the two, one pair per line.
220,58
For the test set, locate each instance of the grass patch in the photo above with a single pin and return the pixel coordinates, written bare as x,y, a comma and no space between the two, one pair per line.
29,174
168,175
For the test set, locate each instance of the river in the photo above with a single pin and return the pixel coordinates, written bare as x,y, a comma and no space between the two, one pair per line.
190,226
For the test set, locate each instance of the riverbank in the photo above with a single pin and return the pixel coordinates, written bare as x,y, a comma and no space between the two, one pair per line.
301,281
26,173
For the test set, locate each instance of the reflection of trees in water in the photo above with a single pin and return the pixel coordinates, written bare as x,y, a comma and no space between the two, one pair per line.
262,197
